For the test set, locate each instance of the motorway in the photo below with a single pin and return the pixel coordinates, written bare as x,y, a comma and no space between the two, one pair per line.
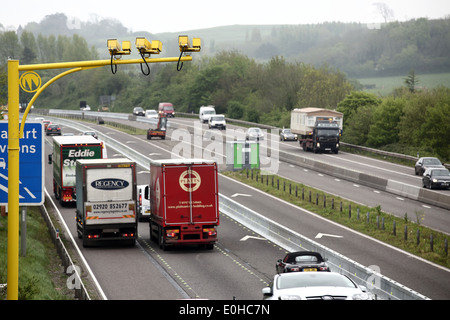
240,266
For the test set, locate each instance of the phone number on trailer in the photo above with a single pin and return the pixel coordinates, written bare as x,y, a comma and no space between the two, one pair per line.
109,206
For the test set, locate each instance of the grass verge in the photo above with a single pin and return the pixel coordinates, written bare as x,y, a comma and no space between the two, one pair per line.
41,275
405,233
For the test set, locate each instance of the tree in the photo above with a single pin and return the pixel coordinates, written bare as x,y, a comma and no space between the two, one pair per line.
355,100
386,12
10,47
322,88
411,81
356,129
386,117
30,49
235,109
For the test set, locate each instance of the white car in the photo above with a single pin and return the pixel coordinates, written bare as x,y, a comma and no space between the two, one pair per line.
217,121
314,286
143,204
254,134
151,114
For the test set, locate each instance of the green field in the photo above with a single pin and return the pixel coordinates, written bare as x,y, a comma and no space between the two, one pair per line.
384,85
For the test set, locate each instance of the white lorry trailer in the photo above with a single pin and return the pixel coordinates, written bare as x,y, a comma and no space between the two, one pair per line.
106,200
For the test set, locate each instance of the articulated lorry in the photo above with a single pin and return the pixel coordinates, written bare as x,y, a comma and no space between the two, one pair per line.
66,151
318,129
184,201
106,200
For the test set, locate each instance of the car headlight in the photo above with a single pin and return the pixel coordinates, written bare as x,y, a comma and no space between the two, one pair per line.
435,180
360,296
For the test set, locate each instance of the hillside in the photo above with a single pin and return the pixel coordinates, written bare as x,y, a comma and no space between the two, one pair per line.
358,50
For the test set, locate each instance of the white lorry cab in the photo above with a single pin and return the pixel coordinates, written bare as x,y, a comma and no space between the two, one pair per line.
205,113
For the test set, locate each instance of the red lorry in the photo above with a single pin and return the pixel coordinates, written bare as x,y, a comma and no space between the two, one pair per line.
184,201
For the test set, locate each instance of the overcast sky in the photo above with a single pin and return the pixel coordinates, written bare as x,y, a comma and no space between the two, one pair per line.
176,15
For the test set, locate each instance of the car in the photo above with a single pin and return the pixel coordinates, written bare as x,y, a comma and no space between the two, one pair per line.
436,178
138,111
143,204
217,121
254,134
427,162
53,129
287,135
90,133
302,261
314,286
151,114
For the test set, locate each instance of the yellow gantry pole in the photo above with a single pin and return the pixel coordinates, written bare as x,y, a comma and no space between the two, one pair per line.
15,132
12,289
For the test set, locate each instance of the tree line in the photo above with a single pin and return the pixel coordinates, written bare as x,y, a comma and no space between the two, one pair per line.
357,49
407,121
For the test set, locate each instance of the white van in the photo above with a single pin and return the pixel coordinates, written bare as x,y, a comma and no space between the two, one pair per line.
206,112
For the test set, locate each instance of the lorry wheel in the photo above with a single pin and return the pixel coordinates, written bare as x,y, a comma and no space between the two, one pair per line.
161,243
152,237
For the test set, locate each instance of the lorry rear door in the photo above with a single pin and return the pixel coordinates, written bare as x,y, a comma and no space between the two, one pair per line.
191,194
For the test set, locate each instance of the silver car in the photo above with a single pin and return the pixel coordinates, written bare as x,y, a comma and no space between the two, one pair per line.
254,134
314,286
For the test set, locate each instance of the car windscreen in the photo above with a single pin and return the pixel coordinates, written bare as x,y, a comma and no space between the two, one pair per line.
435,162
217,118
440,173
298,280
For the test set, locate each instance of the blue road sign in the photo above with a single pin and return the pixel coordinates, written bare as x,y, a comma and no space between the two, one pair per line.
31,165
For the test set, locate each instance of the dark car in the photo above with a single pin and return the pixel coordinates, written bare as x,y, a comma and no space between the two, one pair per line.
53,129
138,111
287,135
302,261
436,178
90,133
426,162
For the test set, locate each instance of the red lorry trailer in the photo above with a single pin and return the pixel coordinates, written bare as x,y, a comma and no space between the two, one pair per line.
184,201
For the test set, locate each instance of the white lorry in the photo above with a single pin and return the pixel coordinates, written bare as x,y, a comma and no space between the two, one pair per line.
206,112
106,200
